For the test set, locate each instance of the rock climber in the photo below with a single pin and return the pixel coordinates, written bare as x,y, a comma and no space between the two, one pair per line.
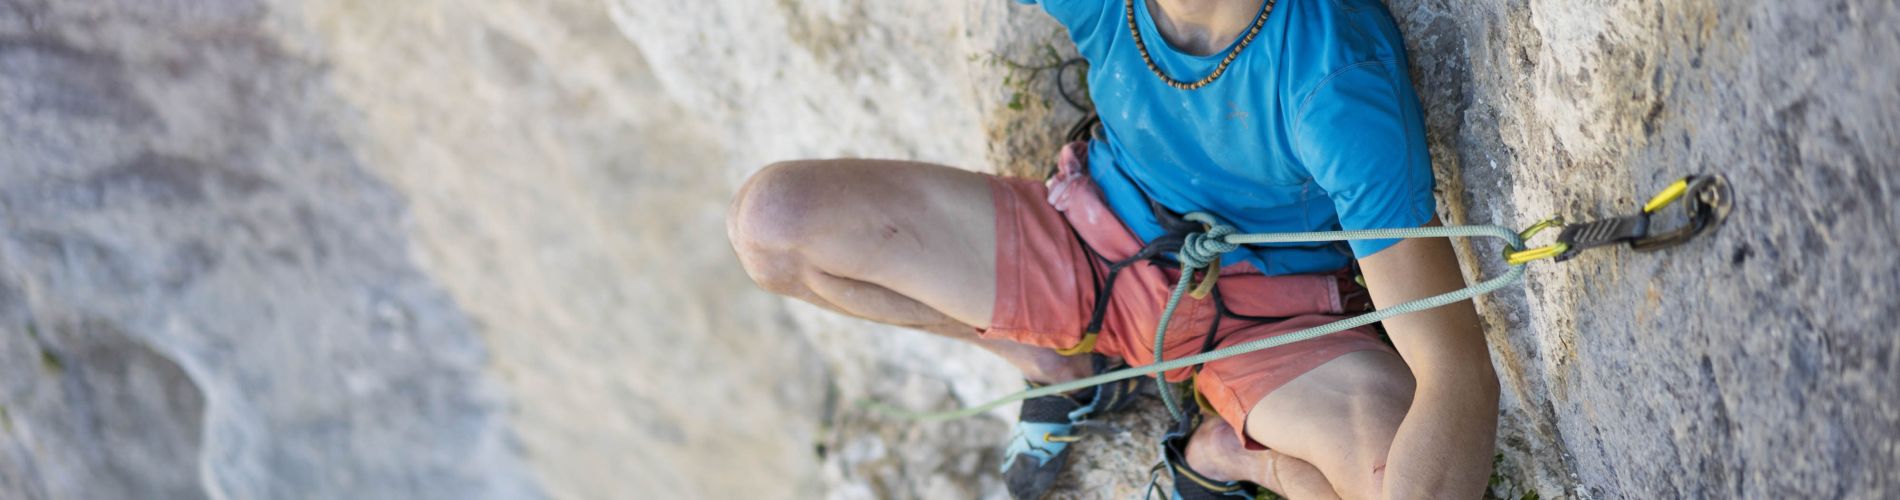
1272,115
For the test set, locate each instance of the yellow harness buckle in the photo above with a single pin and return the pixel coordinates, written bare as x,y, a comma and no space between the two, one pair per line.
1087,345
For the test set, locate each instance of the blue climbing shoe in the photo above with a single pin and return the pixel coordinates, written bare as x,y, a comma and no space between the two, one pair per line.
1039,448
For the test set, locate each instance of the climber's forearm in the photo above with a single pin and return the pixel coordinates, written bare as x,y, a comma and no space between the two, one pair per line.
1443,448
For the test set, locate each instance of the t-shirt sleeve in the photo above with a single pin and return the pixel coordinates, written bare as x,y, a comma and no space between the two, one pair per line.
1083,19
1361,137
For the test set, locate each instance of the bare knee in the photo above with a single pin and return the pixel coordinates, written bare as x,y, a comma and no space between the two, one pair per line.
1381,395
1340,417
772,220
779,206
1361,481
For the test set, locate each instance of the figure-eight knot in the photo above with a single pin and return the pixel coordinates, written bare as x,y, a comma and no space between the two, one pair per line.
1203,248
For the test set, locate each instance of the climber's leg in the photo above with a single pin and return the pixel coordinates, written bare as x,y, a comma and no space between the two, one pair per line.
1340,417
902,243
1327,407
1216,452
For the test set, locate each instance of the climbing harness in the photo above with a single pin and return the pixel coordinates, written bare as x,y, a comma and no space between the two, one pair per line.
1708,204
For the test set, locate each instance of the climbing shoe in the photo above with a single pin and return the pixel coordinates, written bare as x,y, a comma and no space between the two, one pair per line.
1188,483
1039,447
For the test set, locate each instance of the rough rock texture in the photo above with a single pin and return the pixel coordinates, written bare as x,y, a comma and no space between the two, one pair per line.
203,293
578,215
372,250
433,249
1755,363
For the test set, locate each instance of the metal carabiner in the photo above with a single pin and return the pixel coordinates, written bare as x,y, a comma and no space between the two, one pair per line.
1707,200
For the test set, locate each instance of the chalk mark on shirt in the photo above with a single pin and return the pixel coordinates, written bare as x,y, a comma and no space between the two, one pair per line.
1237,114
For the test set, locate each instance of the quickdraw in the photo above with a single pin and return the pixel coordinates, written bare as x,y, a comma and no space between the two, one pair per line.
1707,205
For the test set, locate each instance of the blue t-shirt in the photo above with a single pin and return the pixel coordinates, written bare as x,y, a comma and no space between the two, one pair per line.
1314,126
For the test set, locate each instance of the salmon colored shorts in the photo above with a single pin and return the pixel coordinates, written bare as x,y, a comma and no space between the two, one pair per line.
1054,242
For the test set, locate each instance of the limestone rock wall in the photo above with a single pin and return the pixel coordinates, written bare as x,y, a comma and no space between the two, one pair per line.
373,250
204,293
1753,363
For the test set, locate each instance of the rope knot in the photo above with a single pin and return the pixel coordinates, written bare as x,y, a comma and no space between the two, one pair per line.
1201,249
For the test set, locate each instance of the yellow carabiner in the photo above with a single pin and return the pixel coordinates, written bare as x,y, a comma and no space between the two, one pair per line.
1207,280
1667,196
1544,252
1520,257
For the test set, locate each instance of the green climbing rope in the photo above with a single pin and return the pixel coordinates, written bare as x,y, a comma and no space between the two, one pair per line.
1200,250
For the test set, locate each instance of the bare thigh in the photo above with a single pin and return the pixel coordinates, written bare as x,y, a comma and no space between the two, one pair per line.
1340,417
894,241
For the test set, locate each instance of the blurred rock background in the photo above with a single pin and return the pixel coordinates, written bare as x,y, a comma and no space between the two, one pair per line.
433,249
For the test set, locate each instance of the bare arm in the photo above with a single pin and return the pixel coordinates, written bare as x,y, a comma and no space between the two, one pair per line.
1444,446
